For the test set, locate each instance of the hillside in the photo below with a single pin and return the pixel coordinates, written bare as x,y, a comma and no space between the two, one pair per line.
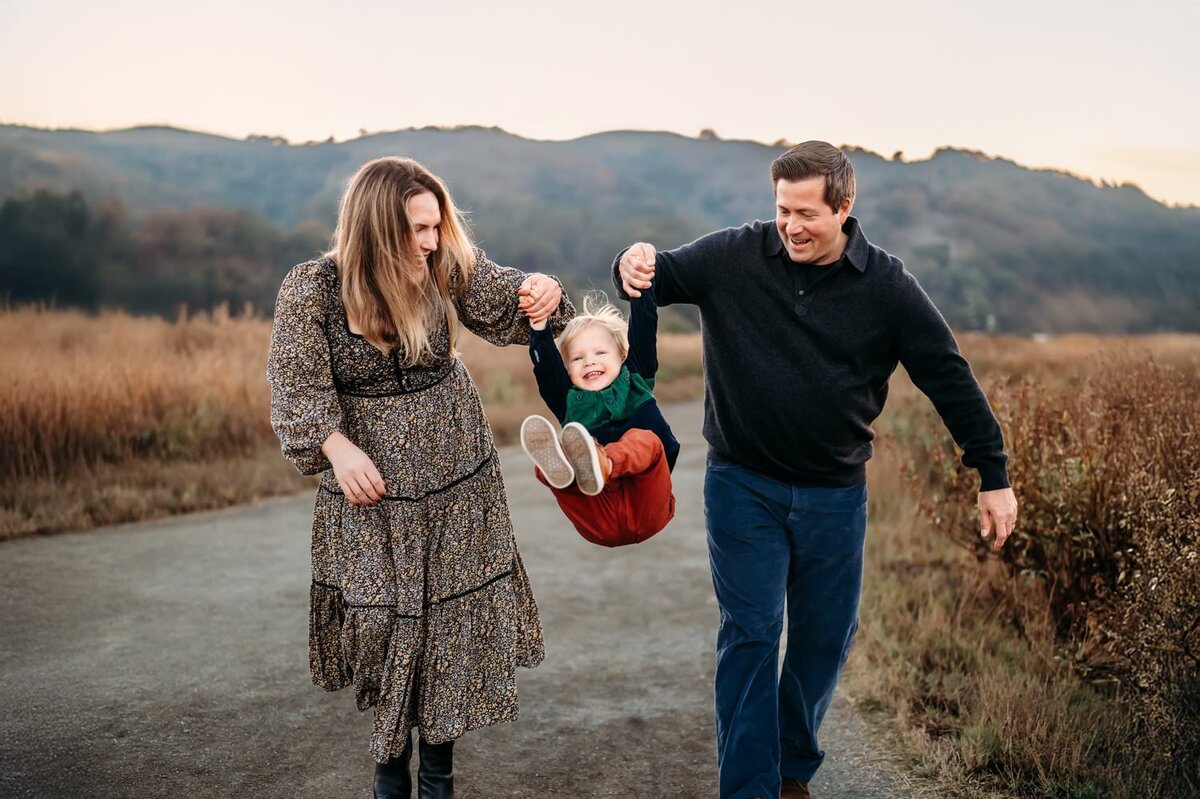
995,244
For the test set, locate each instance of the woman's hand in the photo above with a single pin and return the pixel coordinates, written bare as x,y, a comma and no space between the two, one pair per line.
355,472
538,297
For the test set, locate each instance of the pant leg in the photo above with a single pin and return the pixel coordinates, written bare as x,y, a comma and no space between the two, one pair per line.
641,477
592,517
828,527
636,501
636,452
746,516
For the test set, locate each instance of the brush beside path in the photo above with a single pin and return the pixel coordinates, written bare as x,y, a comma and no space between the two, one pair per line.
169,658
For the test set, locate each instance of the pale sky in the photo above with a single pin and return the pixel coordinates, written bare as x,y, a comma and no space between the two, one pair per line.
1104,89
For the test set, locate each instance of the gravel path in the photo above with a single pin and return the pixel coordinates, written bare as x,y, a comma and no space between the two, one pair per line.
169,659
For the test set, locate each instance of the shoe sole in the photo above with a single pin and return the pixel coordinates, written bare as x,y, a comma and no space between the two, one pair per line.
581,453
539,439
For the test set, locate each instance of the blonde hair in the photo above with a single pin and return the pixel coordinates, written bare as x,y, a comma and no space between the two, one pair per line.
383,286
597,312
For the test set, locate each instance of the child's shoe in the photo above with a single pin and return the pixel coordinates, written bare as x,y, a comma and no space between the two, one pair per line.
540,442
587,458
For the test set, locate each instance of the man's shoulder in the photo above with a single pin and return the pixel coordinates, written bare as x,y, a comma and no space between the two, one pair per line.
883,262
879,263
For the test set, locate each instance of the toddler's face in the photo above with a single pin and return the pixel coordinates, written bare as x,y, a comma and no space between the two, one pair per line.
593,358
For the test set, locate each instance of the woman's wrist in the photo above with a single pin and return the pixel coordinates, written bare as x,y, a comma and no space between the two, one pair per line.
335,445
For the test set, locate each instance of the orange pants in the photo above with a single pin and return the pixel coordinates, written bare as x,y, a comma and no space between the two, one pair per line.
636,501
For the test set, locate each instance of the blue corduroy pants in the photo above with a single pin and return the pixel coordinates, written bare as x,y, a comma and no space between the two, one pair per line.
769,542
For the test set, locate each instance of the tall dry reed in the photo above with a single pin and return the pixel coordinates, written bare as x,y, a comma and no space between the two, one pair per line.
93,407
1105,460
82,391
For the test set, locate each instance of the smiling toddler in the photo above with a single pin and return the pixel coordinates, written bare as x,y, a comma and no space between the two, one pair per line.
610,469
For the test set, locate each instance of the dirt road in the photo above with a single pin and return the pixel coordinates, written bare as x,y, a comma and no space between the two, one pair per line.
169,659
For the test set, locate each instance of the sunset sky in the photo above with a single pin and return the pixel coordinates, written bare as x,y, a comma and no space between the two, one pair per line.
1103,89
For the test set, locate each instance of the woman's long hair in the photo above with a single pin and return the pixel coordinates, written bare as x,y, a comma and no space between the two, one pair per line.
384,286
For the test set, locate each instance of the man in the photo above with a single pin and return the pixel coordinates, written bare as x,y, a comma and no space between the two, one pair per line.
803,323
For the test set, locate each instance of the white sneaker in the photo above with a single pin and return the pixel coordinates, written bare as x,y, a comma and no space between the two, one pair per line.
539,439
583,454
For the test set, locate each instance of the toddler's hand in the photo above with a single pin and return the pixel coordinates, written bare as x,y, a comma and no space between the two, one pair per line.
637,268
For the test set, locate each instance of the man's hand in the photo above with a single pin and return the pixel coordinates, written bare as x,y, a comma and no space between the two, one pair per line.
998,513
355,471
538,297
637,268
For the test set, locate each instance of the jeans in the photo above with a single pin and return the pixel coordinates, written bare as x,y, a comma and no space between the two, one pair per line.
768,541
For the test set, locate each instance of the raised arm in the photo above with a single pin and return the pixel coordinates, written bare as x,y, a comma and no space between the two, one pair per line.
488,303
683,275
643,335
548,369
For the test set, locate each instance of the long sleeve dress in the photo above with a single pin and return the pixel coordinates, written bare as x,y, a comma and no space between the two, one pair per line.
420,602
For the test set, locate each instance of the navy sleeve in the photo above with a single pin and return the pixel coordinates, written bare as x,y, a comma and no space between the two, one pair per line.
685,274
549,371
643,335
930,355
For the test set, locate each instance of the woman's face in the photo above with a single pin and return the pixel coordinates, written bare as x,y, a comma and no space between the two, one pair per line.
425,219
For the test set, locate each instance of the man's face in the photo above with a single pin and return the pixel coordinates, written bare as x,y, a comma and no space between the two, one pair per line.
810,229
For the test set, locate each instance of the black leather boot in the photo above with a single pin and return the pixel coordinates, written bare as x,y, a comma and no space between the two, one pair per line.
393,779
435,773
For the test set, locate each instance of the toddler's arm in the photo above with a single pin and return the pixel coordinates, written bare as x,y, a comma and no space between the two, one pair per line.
643,336
548,369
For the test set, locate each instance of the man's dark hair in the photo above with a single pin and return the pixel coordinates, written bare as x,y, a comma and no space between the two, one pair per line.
817,158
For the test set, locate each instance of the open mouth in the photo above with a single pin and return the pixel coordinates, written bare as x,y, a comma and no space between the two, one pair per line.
592,375
799,242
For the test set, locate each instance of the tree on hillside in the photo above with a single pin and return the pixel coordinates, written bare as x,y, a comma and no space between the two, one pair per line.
54,248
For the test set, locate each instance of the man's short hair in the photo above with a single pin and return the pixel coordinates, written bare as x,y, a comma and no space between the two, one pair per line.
817,158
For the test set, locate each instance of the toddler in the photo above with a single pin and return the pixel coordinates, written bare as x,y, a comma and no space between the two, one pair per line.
610,469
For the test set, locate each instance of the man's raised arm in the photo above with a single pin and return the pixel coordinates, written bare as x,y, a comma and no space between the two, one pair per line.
682,275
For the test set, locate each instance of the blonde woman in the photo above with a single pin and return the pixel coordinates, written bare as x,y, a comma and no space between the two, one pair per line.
419,599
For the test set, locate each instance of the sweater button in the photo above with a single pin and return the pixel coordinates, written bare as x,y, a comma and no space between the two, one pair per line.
801,292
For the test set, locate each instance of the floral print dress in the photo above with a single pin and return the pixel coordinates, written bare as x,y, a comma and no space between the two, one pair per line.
420,602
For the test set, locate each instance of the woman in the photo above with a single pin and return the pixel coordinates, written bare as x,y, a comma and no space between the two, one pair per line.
419,599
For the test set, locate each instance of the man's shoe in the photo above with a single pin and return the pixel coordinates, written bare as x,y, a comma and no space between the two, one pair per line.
587,458
539,439
793,789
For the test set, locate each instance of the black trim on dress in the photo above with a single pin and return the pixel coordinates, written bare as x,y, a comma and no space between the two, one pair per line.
446,487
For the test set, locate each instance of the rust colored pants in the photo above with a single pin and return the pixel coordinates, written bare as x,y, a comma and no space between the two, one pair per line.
636,501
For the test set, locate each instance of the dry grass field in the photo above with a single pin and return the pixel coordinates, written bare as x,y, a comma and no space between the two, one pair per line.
1067,666
112,418
1062,668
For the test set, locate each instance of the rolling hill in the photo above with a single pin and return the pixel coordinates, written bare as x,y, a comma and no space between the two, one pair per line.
997,245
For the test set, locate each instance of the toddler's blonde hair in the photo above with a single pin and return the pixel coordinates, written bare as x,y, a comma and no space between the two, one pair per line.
597,311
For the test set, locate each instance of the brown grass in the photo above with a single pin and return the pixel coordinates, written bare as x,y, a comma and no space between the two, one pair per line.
114,418
1062,667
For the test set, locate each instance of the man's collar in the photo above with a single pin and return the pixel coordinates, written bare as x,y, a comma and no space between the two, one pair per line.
857,247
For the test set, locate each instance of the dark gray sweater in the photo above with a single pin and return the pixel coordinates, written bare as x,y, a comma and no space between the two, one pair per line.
794,377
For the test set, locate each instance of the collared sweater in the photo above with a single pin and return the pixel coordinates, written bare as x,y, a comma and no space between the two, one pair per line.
796,371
